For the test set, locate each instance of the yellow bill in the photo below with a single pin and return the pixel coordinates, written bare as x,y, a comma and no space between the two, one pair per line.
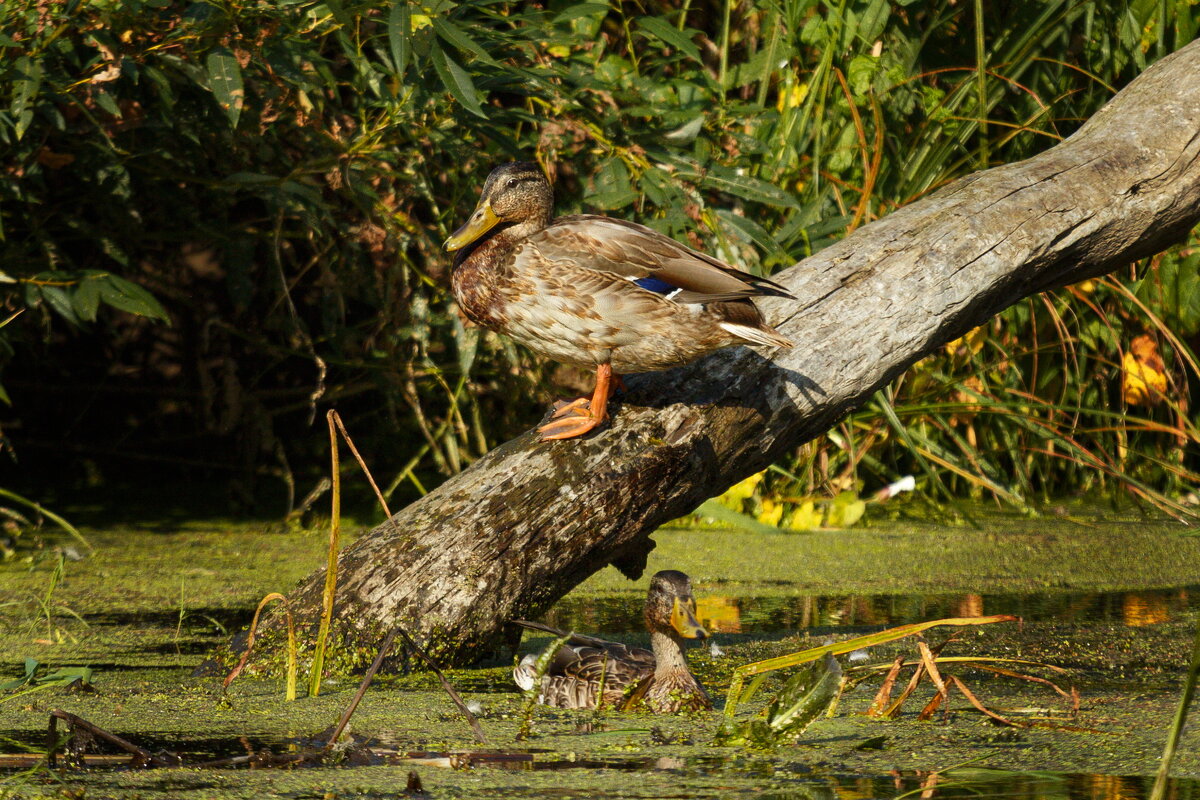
683,620
481,221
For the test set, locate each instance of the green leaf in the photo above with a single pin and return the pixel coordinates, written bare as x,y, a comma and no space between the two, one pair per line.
128,296
56,297
861,73
225,79
456,80
457,37
66,676
711,508
86,299
748,188
107,103
572,13
25,91
340,14
399,31
847,508
750,230
873,20
659,28
31,665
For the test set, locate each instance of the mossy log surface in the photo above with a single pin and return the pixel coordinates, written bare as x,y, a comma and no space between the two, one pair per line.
530,520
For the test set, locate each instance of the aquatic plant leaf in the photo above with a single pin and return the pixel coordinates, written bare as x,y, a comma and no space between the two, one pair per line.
31,666
837,648
804,697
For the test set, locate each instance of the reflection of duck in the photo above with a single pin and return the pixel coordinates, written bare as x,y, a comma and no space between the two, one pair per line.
585,667
596,292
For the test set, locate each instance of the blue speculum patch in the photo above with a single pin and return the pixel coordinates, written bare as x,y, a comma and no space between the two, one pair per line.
655,285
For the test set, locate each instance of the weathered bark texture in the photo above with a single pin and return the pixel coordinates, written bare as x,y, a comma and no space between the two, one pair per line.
529,521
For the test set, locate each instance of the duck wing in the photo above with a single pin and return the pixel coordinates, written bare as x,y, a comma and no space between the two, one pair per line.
585,657
646,258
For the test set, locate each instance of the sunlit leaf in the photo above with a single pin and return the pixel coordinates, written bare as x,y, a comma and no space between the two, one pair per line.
456,80
128,296
399,32
669,34
225,78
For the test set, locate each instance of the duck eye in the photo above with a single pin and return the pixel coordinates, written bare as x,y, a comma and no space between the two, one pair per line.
512,183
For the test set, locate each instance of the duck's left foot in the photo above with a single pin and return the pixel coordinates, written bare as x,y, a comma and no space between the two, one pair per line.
570,425
564,407
577,417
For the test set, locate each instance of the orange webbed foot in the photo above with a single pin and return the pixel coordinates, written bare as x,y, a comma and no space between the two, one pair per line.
577,417
570,426
564,407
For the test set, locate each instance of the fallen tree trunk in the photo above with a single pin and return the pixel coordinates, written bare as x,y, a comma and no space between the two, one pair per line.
530,520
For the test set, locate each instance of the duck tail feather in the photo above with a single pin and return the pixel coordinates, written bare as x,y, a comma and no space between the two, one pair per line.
768,337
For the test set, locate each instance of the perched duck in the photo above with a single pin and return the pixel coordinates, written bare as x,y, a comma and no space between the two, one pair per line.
587,672
596,292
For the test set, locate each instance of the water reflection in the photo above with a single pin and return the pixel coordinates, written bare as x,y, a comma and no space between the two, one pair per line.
983,783
732,614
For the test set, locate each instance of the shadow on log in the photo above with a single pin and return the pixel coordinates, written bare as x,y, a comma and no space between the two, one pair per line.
530,520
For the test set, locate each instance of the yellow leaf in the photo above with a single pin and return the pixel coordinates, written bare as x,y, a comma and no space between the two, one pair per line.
791,96
1143,374
969,344
806,517
845,510
771,512
742,490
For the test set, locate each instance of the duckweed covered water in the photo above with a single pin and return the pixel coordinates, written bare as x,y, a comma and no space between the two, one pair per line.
151,603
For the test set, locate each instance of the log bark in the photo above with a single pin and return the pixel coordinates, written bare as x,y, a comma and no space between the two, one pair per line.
526,523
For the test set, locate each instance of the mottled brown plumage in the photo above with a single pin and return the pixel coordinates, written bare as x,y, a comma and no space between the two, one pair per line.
596,292
586,669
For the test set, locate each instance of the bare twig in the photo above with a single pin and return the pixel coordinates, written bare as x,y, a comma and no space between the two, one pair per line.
142,756
337,420
362,689
411,645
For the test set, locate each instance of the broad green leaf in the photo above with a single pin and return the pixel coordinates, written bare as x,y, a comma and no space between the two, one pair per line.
711,508
56,297
457,37
660,29
575,12
873,21
339,13
26,83
86,298
456,80
847,508
748,188
750,230
860,74
107,103
225,79
128,296
399,31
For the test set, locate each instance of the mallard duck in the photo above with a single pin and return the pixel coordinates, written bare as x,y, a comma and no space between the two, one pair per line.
596,292
587,672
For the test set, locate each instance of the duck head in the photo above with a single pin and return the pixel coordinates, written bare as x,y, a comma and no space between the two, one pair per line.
671,608
517,196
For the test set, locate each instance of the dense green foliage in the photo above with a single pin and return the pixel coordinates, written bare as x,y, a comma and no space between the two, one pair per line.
280,175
